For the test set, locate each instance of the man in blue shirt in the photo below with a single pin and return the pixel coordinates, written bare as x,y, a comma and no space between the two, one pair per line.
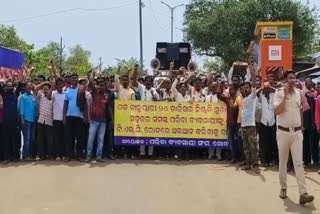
28,112
73,113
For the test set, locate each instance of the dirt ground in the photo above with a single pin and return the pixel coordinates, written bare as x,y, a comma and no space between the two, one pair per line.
147,187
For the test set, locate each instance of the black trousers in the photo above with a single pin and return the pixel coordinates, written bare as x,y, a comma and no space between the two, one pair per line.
1,144
310,146
74,137
108,139
58,139
45,147
11,143
269,143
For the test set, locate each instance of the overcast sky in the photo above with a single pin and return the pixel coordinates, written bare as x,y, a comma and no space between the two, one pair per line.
109,34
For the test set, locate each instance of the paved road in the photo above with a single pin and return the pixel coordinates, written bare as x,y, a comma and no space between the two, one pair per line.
136,187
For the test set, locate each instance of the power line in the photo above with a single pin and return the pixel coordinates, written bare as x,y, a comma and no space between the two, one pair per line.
166,15
155,17
67,11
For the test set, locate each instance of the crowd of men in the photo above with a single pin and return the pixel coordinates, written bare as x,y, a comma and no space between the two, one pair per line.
66,118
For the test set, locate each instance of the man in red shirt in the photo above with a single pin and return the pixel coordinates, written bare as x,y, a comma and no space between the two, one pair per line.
97,117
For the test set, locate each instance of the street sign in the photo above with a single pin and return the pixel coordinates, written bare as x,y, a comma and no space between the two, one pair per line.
269,35
275,53
284,35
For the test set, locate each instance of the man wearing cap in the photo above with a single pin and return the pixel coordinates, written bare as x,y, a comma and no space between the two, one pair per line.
288,108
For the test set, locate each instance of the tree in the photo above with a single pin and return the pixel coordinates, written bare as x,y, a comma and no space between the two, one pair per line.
78,61
213,64
10,39
50,52
225,28
126,65
39,59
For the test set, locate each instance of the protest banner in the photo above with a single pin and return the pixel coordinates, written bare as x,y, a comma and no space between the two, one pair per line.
11,62
170,124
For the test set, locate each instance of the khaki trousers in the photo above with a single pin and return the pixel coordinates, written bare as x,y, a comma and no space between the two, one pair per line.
291,141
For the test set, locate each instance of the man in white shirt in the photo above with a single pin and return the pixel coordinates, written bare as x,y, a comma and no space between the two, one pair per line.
197,93
230,74
213,98
58,96
124,92
268,124
248,124
181,95
288,108
148,93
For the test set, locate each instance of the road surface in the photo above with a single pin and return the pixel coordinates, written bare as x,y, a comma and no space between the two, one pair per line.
147,187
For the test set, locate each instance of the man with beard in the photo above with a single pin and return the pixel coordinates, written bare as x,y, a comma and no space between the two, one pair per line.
10,122
213,98
268,125
310,139
248,124
148,93
288,108
73,120
181,96
45,122
97,117
28,113
124,92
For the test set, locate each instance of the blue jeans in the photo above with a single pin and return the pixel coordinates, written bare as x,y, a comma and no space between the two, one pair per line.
95,127
27,138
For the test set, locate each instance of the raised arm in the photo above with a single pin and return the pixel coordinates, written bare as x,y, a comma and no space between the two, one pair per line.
38,87
210,78
117,80
174,87
170,75
135,81
230,73
52,70
248,76
253,76
280,102
91,86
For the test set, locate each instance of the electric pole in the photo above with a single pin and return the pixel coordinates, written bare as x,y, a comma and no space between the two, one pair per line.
100,64
141,41
60,56
171,10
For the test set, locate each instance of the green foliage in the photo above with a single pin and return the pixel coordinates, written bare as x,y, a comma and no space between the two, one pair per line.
10,39
126,65
50,52
78,60
225,28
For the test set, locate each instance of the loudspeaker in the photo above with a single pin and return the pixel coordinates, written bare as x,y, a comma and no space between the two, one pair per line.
180,53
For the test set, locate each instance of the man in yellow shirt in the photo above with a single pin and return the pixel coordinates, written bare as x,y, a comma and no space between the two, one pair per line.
238,103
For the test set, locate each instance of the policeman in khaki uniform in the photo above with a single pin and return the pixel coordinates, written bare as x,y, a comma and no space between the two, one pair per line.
288,107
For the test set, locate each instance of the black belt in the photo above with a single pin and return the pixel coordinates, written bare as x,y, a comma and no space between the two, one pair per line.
295,129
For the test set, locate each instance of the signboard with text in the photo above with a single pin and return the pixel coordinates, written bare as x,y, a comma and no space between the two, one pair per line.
275,47
275,53
170,124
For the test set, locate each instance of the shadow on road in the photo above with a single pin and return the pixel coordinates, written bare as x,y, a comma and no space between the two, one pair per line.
292,207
